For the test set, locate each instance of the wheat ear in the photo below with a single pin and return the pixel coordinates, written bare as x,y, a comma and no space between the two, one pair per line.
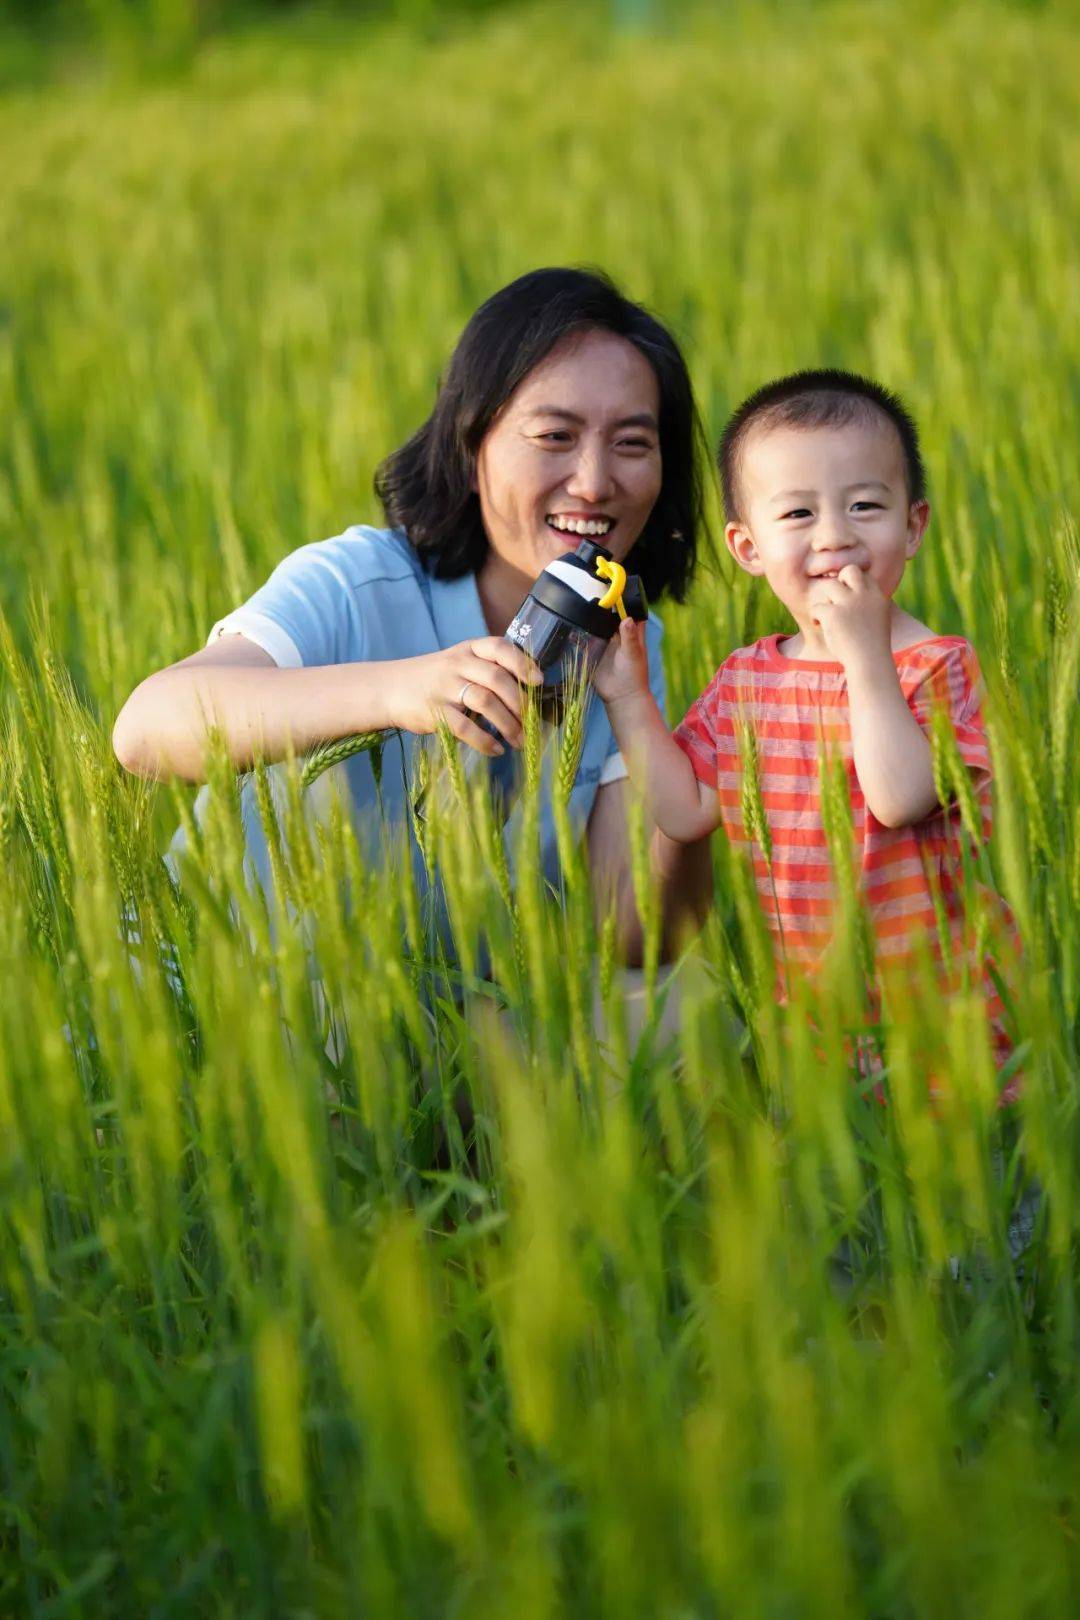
332,753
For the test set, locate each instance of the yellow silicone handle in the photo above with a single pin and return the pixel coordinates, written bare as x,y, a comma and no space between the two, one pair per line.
612,597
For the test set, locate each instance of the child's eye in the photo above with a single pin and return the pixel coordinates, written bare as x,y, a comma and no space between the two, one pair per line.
796,512
868,506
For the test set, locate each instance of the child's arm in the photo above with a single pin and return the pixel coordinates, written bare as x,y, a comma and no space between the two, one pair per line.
890,750
681,806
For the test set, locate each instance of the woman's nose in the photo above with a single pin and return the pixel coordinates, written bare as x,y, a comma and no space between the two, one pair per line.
591,479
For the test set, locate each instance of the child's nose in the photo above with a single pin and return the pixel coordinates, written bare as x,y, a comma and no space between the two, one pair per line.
833,535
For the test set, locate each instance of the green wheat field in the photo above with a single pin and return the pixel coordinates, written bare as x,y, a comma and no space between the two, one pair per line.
416,1295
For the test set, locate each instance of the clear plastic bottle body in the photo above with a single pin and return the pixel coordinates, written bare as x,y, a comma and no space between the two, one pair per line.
563,628
565,652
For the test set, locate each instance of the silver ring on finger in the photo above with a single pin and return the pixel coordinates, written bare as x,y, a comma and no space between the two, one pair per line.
461,694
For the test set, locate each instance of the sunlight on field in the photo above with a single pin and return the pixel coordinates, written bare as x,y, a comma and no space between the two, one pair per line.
663,1329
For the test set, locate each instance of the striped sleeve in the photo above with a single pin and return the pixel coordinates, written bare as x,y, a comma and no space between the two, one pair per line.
954,681
697,733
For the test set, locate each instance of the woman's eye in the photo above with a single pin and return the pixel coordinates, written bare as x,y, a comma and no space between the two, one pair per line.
557,436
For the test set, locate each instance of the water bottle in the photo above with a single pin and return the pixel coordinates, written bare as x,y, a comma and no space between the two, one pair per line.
570,615
564,625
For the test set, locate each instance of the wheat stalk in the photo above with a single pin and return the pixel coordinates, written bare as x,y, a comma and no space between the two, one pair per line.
332,753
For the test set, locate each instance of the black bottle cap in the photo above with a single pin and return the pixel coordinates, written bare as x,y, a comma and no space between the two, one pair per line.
588,551
634,599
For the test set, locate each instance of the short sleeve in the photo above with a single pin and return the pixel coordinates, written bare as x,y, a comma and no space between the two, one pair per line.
301,616
696,734
953,682
614,766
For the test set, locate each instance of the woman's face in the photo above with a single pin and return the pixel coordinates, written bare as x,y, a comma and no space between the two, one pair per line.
575,451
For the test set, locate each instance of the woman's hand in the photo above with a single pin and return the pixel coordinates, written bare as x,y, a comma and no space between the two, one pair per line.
482,677
624,669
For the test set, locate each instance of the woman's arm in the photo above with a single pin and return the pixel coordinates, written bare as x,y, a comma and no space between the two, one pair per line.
235,688
683,872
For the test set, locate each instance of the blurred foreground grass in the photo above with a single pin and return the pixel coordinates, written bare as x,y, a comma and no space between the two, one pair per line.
693,1329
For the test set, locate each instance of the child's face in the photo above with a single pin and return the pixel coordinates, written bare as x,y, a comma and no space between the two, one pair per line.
817,499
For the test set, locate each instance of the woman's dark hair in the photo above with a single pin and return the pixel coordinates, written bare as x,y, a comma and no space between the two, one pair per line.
425,487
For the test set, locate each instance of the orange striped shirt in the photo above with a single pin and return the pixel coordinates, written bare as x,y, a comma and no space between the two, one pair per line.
795,708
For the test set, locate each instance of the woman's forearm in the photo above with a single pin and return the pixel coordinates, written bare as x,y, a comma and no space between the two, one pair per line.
683,873
684,890
259,711
685,878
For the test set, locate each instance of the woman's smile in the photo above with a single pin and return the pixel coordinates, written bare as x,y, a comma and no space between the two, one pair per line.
580,523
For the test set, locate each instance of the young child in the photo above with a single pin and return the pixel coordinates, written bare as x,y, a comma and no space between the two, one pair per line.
825,495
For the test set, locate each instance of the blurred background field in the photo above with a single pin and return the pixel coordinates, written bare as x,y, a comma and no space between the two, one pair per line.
668,1330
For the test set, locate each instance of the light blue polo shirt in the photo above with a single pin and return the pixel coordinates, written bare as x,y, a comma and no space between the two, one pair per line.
364,596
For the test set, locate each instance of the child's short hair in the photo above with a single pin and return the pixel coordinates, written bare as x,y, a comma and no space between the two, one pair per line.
811,399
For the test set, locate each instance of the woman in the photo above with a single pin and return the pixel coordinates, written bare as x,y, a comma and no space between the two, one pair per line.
565,409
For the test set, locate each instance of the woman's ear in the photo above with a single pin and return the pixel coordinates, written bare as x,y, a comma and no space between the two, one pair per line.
740,542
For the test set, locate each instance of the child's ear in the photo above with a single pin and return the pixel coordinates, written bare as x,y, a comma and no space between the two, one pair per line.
740,542
918,518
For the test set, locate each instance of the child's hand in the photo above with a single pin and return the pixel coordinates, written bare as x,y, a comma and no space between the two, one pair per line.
853,615
624,669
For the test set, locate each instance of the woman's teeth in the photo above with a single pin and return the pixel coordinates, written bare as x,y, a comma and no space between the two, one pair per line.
567,525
